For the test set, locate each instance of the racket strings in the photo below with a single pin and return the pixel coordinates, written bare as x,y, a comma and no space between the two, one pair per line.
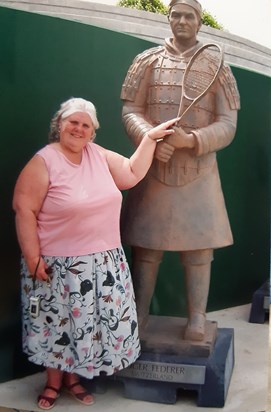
200,74
196,83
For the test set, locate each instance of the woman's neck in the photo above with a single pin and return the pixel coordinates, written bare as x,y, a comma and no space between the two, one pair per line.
74,157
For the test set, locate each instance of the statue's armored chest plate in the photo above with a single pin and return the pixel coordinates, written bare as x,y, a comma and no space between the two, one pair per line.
166,80
165,89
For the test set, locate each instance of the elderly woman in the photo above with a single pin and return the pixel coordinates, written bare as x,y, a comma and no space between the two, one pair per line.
79,314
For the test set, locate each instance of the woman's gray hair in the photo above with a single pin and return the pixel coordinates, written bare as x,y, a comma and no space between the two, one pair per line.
73,105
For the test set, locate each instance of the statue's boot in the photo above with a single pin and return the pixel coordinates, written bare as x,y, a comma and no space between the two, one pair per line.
144,269
197,279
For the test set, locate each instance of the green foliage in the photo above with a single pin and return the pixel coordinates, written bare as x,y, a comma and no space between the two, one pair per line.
157,6
209,20
154,6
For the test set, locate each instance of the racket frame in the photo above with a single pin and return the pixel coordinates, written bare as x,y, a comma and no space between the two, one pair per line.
181,113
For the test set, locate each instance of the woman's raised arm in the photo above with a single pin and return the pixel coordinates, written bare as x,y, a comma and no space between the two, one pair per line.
128,172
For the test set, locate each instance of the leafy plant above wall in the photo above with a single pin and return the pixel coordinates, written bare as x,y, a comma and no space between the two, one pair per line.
154,6
209,20
157,6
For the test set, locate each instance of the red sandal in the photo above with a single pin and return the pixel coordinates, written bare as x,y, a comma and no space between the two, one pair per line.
48,399
81,395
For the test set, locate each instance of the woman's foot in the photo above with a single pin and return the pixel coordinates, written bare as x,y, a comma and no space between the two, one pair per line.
48,397
73,386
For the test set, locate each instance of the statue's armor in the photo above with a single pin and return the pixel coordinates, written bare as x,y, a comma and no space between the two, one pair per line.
164,72
179,205
165,93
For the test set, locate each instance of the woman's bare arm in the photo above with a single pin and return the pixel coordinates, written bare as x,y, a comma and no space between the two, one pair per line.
127,172
30,191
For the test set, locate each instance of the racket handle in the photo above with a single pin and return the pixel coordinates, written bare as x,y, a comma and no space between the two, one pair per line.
181,115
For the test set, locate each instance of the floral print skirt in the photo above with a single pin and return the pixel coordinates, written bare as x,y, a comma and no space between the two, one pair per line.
87,321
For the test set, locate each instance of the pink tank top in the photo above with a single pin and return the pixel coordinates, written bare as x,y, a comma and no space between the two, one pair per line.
80,214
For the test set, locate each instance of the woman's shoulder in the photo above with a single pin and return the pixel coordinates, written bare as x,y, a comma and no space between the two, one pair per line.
96,148
44,150
36,166
49,155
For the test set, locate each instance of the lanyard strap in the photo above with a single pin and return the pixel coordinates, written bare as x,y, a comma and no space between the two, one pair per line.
34,276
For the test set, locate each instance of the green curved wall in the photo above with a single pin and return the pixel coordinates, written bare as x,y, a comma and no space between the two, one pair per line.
44,61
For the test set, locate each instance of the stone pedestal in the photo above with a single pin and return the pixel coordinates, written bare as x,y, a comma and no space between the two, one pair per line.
169,363
260,304
164,334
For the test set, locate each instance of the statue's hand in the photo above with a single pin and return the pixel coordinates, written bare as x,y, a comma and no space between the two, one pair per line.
180,139
163,151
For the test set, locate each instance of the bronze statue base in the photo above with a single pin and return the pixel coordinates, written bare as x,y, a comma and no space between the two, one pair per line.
164,334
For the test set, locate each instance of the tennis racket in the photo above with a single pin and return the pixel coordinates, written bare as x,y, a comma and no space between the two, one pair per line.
200,73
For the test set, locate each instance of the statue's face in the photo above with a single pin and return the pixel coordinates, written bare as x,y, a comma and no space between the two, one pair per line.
184,22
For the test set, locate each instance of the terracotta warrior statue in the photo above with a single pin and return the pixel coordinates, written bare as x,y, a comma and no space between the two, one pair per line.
179,206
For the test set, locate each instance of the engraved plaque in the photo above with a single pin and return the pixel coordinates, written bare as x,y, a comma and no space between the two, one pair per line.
166,372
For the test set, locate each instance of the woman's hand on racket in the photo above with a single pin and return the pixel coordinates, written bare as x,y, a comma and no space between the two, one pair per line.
162,130
180,139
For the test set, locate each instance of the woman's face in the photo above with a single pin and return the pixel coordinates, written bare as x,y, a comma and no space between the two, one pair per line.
76,131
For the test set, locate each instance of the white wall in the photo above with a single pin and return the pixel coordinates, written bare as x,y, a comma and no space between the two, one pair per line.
239,52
